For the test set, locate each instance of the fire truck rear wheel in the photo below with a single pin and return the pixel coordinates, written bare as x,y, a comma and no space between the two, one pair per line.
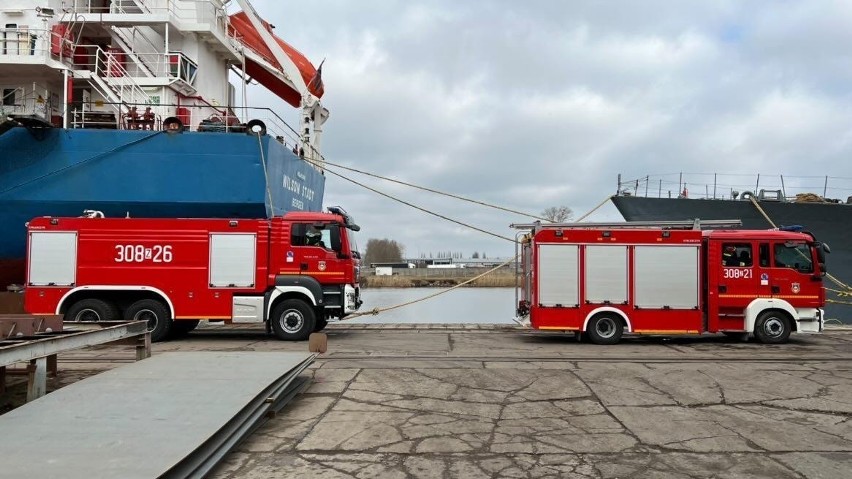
605,329
153,311
92,310
293,320
772,327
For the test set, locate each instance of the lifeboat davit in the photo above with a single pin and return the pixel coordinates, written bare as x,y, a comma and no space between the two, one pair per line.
243,30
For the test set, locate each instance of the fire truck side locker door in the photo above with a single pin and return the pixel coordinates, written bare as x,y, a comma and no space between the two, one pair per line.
233,260
558,275
52,258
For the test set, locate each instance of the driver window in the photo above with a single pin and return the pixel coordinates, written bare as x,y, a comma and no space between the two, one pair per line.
309,235
795,256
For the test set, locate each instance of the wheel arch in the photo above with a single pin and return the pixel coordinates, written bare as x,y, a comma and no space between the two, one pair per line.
120,295
628,327
761,305
282,293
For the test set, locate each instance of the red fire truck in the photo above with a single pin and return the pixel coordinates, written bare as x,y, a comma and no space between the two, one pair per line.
669,278
293,272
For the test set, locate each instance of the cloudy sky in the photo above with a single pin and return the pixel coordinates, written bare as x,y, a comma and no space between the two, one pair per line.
535,103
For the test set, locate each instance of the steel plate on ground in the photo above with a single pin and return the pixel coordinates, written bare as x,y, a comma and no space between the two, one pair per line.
142,420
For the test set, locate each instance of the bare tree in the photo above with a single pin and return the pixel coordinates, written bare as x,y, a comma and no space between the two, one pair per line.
558,214
383,251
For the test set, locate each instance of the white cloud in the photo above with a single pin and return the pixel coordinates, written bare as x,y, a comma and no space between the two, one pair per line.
541,103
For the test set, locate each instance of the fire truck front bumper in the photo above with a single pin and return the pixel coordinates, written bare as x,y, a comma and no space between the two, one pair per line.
352,299
810,320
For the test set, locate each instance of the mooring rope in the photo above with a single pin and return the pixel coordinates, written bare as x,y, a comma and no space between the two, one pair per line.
375,311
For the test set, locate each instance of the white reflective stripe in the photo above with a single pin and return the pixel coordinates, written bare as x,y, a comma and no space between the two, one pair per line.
116,288
279,290
607,309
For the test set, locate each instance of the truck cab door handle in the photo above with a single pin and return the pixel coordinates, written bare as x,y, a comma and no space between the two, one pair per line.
723,288
776,289
303,266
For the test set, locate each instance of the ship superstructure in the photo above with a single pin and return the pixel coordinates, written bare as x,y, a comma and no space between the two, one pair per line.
125,107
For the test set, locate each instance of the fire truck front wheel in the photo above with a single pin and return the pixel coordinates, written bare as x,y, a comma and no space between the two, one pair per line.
293,320
605,329
155,313
772,327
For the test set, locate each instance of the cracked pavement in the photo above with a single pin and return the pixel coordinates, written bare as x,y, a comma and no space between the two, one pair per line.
480,402
461,403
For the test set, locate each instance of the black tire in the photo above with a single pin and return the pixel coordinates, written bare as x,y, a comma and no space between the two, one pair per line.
183,327
293,320
157,315
605,329
320,324
92,310
256,127
772,327
173,124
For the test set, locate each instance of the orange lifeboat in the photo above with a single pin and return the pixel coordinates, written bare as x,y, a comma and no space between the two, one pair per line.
243,30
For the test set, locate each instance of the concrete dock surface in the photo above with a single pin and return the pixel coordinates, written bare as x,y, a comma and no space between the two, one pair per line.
467,401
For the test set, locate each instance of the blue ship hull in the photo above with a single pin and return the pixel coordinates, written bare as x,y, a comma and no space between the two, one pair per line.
56,172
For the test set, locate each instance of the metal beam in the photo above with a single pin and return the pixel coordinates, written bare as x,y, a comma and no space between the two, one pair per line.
35,347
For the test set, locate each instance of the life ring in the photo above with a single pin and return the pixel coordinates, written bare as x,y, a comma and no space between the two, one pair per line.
747,195
252,124
173,124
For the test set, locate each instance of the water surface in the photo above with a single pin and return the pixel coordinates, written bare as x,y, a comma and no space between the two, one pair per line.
462,305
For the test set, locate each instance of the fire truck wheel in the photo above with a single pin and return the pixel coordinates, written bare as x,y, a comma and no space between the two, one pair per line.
772,327
92,310
293,320
605,329
153,311
320,324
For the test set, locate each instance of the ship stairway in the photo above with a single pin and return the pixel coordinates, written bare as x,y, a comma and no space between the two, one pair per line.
128,7
120,37
112,81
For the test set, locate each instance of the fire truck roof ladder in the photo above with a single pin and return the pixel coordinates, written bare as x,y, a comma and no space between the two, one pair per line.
696,224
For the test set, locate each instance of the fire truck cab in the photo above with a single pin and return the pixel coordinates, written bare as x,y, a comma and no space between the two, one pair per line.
604,280
293,272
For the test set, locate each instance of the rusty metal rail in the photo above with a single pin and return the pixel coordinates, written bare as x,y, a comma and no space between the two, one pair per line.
40,349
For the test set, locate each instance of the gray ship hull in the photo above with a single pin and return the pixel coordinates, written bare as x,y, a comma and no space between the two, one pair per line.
831,223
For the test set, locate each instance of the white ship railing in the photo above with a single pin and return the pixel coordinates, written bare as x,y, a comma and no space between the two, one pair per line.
183,11
24,45
35,100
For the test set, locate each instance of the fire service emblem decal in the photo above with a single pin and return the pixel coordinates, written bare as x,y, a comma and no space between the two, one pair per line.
796,288
321,267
